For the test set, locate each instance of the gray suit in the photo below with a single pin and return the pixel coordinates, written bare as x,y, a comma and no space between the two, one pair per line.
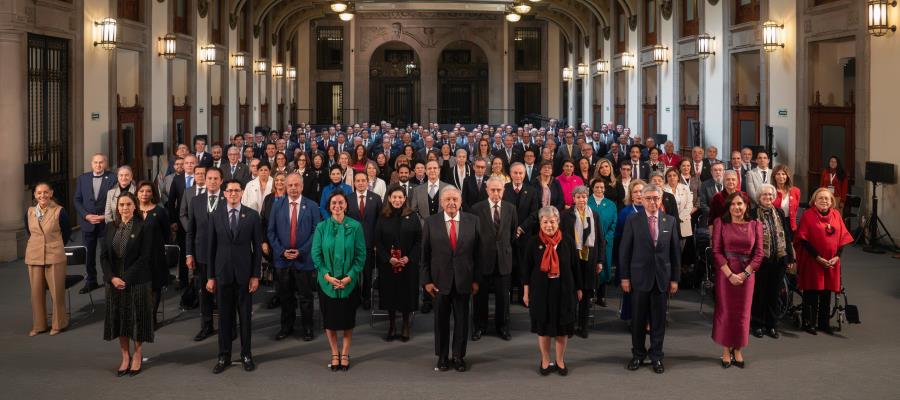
753,181
241,173
418,201
184,209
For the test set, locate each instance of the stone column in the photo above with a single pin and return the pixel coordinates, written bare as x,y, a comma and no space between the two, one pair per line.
14,150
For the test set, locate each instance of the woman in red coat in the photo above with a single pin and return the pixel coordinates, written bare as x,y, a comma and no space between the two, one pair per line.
787,196
819,242
835,179
737,243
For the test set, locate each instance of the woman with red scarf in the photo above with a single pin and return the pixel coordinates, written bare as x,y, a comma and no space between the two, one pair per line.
552,289
819,242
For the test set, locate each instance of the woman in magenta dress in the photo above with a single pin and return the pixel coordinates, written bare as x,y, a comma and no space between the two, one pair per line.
569,181
737,251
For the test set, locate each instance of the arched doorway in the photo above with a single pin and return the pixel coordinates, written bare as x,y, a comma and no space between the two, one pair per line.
394,84
462,84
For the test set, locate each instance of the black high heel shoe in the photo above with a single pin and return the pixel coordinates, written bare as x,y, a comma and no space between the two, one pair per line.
725,363
545,371
122,372
134,372
333,366
345,368
739,364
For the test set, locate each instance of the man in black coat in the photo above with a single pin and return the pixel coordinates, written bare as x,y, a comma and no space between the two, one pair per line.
364,206
474,188
500,222
204,158
450,247
173,206
234,271
527,202
197,252
650,259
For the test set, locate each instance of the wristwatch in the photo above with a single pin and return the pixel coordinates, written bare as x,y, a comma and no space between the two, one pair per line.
746,274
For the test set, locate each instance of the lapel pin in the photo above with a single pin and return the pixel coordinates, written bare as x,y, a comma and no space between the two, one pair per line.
541,247
132,236
243,215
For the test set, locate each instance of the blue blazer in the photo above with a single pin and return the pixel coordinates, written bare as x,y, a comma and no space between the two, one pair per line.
279,233
645,263
85,203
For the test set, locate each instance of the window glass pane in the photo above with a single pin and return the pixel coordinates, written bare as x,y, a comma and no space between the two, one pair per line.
527,43
180,8
622,27
748,133
691,11
651,16
128,137
693,127
832,142
746,2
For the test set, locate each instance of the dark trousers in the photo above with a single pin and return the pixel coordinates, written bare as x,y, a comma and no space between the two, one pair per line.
648,306
181,239
91,239
294,283
367,274
766,289
817,308
589,278
456,304
234,297
499,286
206,298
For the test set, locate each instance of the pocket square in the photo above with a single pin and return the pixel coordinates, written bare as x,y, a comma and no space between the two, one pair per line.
665,231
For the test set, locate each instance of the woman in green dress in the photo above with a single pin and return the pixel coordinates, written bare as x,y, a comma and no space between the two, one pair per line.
608,213
339,253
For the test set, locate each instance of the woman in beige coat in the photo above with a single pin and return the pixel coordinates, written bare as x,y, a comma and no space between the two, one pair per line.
48,230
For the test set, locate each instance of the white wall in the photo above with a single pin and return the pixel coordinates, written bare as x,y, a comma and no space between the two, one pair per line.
666,102
96,85
782,83
200,104
713,74
159,76
128,68
883,137
554,73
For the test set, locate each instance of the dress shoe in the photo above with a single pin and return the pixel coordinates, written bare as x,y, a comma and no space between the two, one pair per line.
757,332
504,334
54,332
282,334
248,364
562,371
443,364
35,333
221,365
203,334
826,329
634,364
134,372
345,362
273,303
546,371
810,329
122,372
476,335
772,333
335,364
726,363
89,287
307,334
459,364
658,367
426,308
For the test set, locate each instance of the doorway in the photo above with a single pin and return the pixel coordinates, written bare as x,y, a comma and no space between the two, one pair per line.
394,72
462,84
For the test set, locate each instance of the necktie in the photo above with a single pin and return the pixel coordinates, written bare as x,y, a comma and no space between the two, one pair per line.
293,224
697,167
517,188
362,206
190,180
652,222
635,170
234,222
232,170
212,202
405,190
764,176
718,188
529,172
453,235
478,185
432,189
497,218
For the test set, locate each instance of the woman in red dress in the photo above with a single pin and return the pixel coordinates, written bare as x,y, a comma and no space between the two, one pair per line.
819,242
835,179
737,250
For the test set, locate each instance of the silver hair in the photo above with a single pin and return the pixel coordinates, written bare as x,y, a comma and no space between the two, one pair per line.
495,178
516,164
449,189
729,172
657,173
128,167
765,187
548,211
580,190
461,150
651,188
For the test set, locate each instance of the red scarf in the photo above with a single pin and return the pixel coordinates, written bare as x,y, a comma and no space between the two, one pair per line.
550,260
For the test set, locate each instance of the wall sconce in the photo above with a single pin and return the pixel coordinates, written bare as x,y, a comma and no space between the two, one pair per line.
346,14
513,17
602,66
292,73
106,32
772,36
522,7
628,61
878,17
660,54
278,70
583,70
208,54
166,46
239,61
339,6
567,74
259,67
706,45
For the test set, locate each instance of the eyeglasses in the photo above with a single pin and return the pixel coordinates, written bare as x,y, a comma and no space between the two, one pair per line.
652,198
232,190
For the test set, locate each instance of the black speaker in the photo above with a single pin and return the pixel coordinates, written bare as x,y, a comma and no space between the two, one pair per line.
155,149
880,172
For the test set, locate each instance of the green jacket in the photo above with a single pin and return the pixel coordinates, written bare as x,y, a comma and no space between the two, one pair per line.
340,251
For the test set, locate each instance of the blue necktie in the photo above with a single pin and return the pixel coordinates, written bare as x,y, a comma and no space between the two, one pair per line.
234,222
190,181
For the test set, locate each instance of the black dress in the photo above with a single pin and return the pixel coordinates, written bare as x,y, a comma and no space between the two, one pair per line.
313,182
552,302
126,254
158,220
398,291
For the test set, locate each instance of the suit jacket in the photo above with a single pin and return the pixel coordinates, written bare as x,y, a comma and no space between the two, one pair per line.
204,160
184,209
418,201
452,177
278,232
707,192
570,281
176,196
517,155
472,193
643,169
527,203
138,253
235,258
754,180
644,263
373,208
241,173
496,244
447,268
86,203
197,227
567,225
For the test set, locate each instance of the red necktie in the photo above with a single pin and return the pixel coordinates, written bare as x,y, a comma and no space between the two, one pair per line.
362,207
293,224
517,189
452,235
652,223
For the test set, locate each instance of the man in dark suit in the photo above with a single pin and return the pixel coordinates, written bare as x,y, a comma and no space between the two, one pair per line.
650,259
199,207
425,201
90,203
474,188
173,206
527,202
500,222
508,153
530,167
364,207
234,271
290,231
450,247
639,170
204,158
700,166
234,169
708,190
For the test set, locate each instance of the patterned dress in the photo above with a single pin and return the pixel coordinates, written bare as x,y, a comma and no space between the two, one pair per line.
129,312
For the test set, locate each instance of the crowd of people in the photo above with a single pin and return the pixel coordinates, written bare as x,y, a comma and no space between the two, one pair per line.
544,216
